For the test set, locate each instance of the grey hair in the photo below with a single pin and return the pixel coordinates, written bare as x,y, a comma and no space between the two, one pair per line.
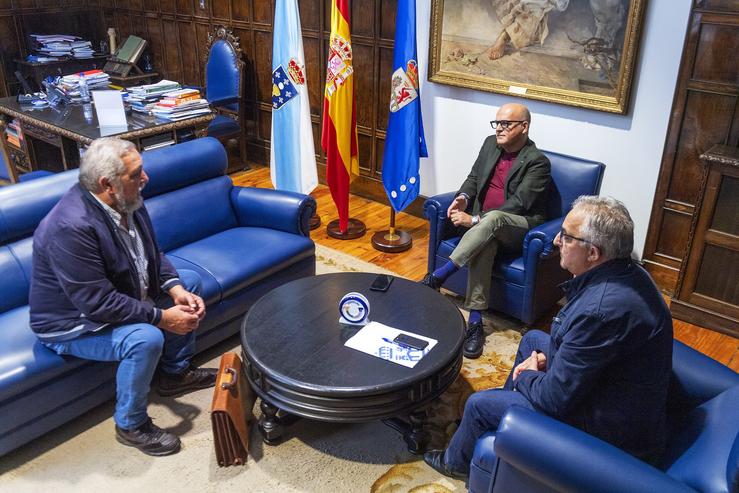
607,225
103,159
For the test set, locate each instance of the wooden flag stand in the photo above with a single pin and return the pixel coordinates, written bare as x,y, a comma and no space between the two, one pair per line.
355,229
315,221
392,240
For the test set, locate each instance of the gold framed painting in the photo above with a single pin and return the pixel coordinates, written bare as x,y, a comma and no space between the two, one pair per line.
574,52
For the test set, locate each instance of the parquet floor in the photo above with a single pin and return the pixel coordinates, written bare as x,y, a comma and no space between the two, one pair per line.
413,263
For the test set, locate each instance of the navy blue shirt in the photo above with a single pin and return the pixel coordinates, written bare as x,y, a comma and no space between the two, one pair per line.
609,360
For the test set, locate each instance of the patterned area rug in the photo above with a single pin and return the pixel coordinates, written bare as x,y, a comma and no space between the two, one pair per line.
314,457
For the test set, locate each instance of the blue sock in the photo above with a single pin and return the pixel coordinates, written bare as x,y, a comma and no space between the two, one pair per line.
445,271
475,316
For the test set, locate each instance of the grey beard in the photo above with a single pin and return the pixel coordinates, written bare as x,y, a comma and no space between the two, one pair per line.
128,207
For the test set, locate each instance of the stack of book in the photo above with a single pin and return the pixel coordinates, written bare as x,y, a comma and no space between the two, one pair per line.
14,134
56,46
178,105
96,80
143,98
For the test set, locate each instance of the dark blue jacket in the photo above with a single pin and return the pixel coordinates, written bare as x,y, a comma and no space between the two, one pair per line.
609,360
83,278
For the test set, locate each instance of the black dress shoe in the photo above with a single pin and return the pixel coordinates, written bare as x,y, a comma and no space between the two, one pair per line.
187,381
474,340
435,458
431,281
150,439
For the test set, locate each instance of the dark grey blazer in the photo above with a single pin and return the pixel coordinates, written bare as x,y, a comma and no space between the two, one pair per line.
526,186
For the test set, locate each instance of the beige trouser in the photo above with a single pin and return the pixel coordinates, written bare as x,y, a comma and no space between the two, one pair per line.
478,247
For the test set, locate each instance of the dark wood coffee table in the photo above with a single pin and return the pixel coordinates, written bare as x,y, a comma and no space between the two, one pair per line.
296,361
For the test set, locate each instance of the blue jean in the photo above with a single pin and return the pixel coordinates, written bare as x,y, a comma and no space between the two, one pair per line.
138,347
484,410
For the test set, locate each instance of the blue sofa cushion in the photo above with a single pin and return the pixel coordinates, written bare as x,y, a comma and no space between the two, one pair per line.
175,167
190,214
698,454
25,362
13,282
223,255
20,216
211,289
223,125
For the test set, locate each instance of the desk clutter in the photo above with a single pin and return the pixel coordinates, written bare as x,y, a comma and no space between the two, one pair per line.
52,47
167,100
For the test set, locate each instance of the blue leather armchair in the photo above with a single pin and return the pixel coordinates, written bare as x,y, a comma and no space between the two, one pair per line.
224,74
523,285
534,453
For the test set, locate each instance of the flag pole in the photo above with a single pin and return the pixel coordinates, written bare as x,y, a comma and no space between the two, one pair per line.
392,240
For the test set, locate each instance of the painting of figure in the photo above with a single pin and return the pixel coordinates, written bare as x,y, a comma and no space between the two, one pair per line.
578,52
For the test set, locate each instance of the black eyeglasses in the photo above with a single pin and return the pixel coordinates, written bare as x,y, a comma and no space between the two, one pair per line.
505,124
563,234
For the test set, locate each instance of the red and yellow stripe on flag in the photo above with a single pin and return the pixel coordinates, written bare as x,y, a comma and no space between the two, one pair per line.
339,134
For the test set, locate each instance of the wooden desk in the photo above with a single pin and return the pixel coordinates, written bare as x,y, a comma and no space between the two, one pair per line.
51,138
133,80
38,71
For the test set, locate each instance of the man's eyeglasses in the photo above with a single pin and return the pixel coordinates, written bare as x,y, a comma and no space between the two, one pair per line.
505,124
568,238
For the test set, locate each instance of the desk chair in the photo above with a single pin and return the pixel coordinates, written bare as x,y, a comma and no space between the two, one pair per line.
224,75
535,453
524,285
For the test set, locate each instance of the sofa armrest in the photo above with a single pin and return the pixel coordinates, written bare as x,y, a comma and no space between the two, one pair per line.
435,211
275,209
697,378
567,459
541,239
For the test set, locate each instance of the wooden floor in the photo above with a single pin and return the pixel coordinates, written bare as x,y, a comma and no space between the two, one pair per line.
413,264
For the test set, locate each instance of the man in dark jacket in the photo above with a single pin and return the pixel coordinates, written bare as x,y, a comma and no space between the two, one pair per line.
605,368
501,199
101,290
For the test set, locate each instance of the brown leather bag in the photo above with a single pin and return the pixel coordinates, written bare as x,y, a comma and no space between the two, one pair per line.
231,413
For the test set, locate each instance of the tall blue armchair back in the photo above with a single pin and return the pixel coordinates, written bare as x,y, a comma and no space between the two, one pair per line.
222,73
571,177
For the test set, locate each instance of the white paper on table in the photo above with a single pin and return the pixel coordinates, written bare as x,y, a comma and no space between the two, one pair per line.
109,109
369,340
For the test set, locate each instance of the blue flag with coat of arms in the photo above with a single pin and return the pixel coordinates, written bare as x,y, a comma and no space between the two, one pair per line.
292,153
405,142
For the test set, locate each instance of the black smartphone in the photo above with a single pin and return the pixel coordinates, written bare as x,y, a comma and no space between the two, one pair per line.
381,283
410,341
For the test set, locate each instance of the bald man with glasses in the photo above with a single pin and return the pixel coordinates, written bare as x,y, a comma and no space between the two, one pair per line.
501,199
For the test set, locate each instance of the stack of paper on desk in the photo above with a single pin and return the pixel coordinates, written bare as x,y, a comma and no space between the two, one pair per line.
372,339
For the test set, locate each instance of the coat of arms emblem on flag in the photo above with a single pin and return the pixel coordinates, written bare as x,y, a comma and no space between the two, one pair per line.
404,86
283,83
338,71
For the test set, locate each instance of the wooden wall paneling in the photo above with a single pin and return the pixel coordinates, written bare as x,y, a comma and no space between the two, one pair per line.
189,53
263,13
186,7
202,8
263,67
240,10
24,4
6,4
138,6
201,37
167,6
155,46
172,50
315,76
122,25
221,10
107,4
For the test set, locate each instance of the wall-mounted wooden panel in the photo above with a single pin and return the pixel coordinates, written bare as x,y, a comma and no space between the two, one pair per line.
709,63
221,9
240,10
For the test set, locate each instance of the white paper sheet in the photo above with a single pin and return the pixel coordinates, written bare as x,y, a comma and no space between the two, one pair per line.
109,108
372,339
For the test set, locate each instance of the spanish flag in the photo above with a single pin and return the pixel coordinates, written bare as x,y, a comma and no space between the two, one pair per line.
339,135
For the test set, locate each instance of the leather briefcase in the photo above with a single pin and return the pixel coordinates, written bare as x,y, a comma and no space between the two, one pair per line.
231,413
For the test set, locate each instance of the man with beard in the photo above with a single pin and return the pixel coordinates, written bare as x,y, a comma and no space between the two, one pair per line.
102,290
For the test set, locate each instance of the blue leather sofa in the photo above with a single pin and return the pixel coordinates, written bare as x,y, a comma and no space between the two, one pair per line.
524,285
534,453
242,241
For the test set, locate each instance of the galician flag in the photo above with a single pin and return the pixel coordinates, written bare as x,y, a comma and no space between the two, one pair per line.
292,154
339,135
405,142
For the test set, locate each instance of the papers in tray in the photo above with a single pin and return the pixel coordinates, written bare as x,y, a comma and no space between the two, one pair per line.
372,339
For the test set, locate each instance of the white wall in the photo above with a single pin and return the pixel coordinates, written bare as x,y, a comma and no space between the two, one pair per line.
456,120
